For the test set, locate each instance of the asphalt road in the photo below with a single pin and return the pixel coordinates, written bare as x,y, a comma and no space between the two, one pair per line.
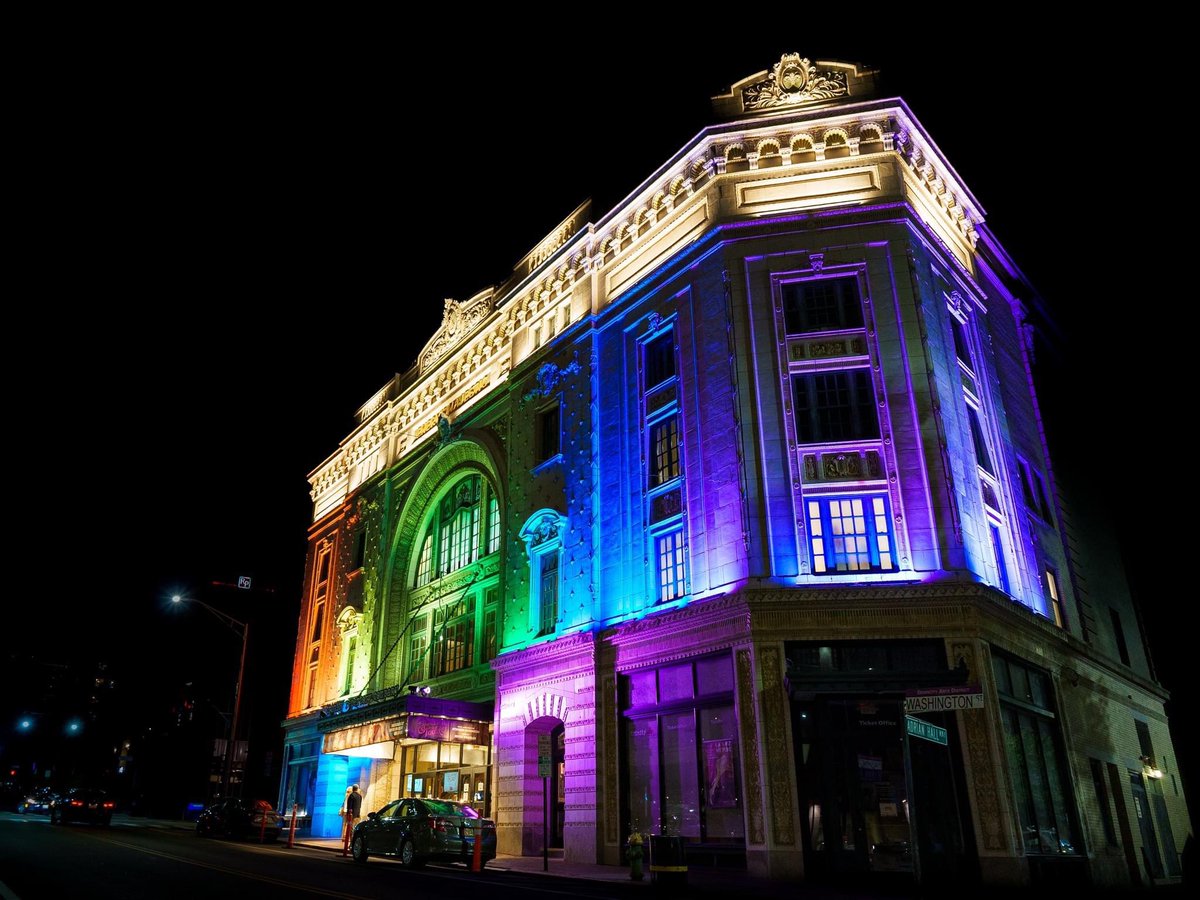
130,860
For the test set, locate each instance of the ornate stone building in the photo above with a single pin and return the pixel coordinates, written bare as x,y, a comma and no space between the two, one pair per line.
739,494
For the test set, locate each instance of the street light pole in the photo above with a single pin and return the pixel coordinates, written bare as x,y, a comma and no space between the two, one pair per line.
243,630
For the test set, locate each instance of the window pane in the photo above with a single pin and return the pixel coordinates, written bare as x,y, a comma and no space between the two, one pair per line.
681,794
664,451
669,552
642,690
659,359
644,788
834,406
548,591
827,304
714,675
983,456
675,682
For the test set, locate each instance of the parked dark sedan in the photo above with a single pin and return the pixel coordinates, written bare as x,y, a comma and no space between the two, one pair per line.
418,830
81,805
238,818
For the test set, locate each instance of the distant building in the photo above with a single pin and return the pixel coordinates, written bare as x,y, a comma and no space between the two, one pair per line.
738,495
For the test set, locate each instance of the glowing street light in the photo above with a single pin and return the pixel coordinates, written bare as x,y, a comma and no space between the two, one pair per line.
25,724
241,629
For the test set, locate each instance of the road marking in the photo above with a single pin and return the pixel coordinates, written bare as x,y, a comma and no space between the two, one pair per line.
307,888
6,892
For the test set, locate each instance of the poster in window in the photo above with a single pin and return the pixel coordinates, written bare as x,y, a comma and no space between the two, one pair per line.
719,772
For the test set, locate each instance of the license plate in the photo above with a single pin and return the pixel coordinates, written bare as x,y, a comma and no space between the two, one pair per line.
92,805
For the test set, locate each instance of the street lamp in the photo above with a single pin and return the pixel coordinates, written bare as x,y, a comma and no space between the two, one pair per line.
241,629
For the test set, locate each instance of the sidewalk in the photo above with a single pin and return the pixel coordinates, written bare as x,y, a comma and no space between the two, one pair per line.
525,864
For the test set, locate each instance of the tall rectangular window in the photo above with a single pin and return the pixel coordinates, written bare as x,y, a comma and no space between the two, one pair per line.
1043,497
850,534
827,304
351,646
489,635
672,571
1052,592
547,591
1119,635
983,456
417,643
549,440
425,561
962,345
835,406
659,359
1001,560
1102,802
493,524
1032,743
456,642
664,451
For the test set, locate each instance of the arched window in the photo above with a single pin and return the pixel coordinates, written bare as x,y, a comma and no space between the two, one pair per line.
465,525
543,534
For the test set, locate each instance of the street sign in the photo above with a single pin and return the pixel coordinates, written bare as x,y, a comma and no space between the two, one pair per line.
543,756
244,582
926,730
944,699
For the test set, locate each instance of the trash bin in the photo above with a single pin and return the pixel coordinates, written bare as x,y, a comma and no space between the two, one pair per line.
668,864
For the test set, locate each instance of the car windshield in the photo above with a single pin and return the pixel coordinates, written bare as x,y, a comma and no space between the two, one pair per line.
448,808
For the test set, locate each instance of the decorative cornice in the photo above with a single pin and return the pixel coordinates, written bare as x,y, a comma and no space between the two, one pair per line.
568,645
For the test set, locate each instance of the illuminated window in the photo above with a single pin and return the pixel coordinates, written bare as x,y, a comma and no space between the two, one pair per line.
320,598
417,645
547,591
425,563
351,644
664,451
455,537
543,536
850,534
835,406
672,570
827,304
659,359
1052,592
489,635
493,524
454,636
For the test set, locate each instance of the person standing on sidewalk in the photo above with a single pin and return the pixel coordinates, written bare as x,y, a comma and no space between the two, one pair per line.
353,807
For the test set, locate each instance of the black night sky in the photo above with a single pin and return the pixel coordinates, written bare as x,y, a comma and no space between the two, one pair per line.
225,242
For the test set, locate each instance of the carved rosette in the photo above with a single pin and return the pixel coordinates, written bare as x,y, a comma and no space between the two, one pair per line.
749,727
794,80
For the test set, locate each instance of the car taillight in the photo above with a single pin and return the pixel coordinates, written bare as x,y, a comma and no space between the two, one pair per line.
489,826
441,824
108,805
77,803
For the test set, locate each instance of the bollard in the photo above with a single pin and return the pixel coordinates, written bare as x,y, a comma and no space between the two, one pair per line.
292,833
477,856
634,854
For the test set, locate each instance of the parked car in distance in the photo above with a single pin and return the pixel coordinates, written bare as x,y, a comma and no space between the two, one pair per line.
81,805
36,801
419,830
238,818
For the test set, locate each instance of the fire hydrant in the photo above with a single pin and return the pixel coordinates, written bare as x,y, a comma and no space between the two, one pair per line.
634,852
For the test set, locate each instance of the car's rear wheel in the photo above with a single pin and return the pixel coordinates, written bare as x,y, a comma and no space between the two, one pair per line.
358,848
408,855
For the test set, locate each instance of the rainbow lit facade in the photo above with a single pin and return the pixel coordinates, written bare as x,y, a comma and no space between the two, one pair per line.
737,501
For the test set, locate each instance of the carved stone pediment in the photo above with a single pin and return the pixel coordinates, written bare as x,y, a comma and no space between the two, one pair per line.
459,319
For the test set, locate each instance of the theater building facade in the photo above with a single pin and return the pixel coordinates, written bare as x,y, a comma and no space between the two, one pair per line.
735,503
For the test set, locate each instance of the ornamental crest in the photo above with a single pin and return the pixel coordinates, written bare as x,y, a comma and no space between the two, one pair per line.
794,80
458,320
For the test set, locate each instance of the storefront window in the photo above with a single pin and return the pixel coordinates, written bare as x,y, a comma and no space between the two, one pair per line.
446,770
681,751
1033,747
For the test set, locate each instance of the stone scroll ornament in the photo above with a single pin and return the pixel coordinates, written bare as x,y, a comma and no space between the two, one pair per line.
794,80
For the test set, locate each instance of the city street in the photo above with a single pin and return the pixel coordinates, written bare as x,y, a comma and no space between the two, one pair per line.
132,859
